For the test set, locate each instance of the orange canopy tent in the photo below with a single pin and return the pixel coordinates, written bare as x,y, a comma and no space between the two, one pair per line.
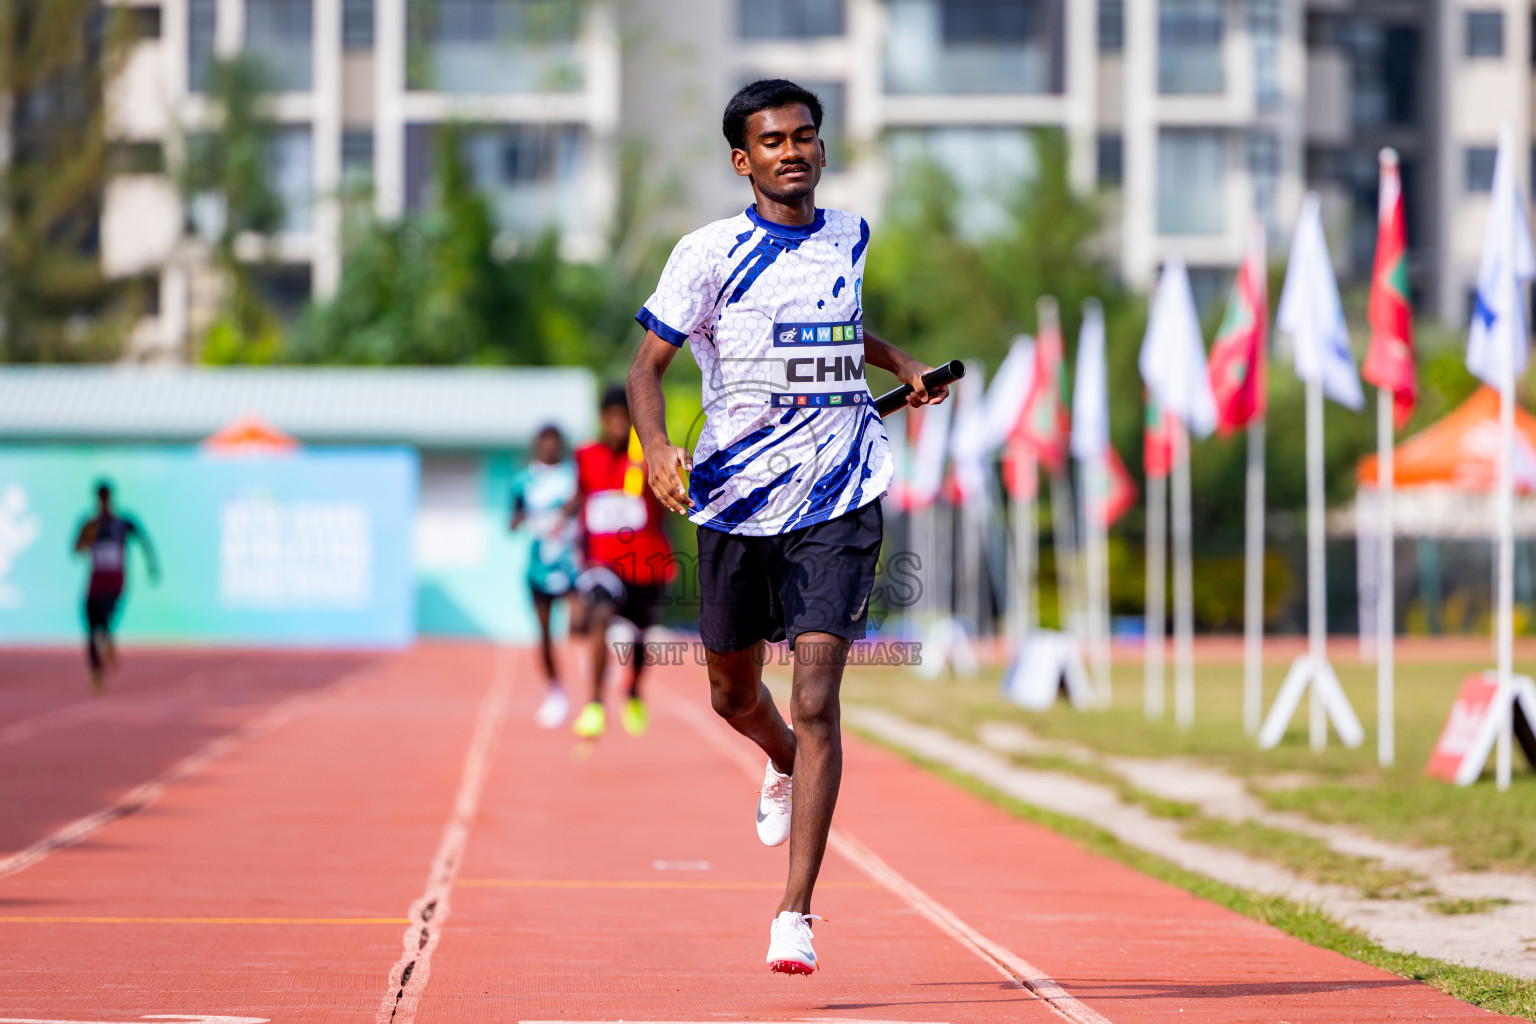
1461,451
249,435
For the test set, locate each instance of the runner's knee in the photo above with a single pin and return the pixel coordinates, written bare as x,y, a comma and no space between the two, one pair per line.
732,693
815,709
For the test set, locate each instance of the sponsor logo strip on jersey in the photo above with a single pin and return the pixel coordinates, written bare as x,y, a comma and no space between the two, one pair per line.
841,332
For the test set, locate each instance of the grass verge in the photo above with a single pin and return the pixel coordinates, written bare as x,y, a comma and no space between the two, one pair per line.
1490,990
1482,827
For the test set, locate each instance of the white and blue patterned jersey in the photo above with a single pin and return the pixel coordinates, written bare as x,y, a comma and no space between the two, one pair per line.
774,315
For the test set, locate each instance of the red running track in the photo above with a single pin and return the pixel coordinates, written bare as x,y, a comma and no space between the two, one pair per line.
359,839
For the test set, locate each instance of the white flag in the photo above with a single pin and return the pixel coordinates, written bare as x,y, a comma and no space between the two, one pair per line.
1173,353
1498,313
1090,389
1009,394
932,448
1311,313
968,444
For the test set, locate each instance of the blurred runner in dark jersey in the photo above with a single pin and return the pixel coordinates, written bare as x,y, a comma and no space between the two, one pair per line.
628,556
105,538
542,494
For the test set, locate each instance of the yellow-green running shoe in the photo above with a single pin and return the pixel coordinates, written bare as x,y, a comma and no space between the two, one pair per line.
634,717
592,722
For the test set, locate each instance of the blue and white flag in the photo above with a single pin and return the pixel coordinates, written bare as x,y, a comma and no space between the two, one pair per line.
1172,359
1509,264
1311,313
931,457
1090,389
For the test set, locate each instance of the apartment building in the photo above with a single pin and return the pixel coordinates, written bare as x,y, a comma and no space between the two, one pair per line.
1195,116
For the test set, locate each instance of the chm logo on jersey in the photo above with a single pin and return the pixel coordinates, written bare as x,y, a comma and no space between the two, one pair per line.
819,364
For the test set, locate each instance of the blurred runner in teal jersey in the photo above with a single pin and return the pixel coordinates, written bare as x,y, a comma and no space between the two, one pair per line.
105,537
542,493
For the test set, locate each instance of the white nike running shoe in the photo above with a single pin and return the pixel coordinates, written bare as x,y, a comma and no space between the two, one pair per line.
552,712
773,806
789,944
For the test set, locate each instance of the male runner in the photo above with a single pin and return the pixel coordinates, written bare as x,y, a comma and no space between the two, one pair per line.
541,491
106,538
628,556
790,466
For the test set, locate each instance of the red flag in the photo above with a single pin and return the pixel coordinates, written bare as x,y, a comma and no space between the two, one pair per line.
1047,417
1156,439
1120,493
1020,469
1389,362
1237,362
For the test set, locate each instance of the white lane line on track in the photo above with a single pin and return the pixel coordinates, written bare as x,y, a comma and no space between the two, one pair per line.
142,796
1006,962
408,977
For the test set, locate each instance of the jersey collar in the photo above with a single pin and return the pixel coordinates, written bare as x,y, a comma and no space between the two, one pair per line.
787,230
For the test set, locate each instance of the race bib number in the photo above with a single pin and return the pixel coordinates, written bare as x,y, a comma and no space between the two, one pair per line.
612,511
819,364
107,557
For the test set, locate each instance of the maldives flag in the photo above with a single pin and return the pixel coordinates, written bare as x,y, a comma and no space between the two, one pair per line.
1389,363
1047,418
1237,359
1156,439
1120,490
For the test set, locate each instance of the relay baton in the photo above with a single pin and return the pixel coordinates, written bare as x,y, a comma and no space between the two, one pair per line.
934,378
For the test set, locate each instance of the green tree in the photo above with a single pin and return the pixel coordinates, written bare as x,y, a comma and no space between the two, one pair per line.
56,304
445,286
226,180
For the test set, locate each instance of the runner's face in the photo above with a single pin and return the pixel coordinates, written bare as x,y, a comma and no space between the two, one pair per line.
784,154
547,449
615,427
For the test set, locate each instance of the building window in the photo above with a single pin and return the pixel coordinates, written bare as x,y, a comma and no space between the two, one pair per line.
790,19
136,158
493,46
1111,159
1485,33
281,34
1480,160
1111,26
987,165
290,172
143,22
984,21
357,153
202,26
1264,28
357,24
1264,166
1191,182
974,46
530,174
1189,41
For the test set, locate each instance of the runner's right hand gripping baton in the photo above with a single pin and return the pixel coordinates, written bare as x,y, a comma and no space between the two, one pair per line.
934,378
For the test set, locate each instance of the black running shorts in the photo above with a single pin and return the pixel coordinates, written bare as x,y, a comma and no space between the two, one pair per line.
636,602
813,580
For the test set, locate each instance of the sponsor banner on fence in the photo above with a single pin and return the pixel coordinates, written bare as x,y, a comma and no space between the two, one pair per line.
308,549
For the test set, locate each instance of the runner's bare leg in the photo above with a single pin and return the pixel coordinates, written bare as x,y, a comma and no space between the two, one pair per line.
737,692
815,709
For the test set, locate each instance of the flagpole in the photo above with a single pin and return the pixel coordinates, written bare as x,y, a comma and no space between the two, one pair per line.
1092,489
1253,583
1183,586
1385,582
1157,575
1505,629
1064,543
1317,614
